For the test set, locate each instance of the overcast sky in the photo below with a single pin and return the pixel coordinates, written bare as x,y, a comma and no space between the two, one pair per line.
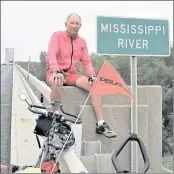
27,26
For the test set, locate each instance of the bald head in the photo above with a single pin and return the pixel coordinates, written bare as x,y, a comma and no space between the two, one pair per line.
73,24
73,14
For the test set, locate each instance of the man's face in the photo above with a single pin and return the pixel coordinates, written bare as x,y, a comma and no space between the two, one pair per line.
73,25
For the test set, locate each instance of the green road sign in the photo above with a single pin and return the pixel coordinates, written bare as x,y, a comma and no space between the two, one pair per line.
132,36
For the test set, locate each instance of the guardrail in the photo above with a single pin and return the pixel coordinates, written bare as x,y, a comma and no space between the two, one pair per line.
69,156
38,85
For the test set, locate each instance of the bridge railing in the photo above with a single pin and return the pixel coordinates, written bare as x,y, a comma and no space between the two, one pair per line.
70,156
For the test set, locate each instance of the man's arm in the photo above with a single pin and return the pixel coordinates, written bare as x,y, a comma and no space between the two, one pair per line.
53,48
87,63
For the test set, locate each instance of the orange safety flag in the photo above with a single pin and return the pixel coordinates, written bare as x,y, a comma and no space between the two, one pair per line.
109,82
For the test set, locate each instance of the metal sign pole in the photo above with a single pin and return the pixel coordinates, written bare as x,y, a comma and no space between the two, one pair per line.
134,118
173,100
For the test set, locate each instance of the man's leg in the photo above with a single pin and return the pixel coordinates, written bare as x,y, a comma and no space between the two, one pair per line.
55,95
102,127
83,83
55,91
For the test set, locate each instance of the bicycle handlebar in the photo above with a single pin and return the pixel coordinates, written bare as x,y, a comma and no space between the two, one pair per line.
47,113
37,112
131,137
37,106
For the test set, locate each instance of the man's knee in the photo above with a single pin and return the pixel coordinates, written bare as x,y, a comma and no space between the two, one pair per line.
55,92
82,82
54,86
82,79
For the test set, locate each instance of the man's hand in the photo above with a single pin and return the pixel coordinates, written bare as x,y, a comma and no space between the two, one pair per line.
92,79
58,78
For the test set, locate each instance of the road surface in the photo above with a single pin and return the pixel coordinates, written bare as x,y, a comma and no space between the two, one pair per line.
6,109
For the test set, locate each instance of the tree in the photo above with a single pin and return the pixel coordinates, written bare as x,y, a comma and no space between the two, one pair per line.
43,67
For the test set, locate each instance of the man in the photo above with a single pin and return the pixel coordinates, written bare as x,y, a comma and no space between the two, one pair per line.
65,50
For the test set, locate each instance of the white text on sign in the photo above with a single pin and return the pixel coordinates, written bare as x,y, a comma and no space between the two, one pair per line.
132,43
134,30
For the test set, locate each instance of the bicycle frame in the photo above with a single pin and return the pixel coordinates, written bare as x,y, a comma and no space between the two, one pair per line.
49,150
56,135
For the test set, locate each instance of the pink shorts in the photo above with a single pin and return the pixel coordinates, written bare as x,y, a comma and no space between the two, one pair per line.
70,78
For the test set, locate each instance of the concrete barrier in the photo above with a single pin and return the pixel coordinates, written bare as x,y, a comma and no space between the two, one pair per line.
90,148
147,95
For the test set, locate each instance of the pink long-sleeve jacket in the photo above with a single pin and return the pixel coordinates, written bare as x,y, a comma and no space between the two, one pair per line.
61,49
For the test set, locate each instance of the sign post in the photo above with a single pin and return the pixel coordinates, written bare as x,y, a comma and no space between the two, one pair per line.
134,115
133,37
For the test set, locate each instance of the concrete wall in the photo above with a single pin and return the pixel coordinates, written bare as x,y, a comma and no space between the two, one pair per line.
118,118
117,113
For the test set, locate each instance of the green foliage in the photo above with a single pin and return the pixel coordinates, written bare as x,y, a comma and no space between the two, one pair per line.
169,60
168,161
34,68
43,66
150,71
